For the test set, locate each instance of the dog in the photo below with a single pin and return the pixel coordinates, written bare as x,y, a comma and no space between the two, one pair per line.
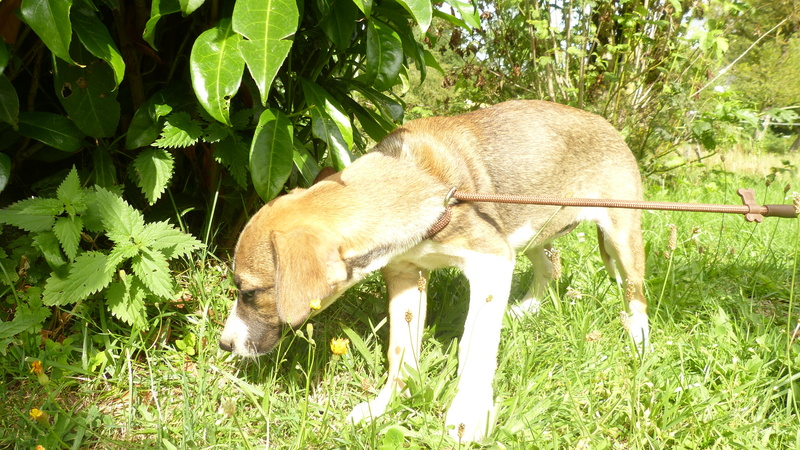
377,214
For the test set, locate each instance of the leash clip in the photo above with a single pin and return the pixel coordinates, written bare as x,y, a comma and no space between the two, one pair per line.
449,196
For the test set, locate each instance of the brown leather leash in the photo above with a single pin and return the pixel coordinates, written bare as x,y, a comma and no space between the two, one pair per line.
752,211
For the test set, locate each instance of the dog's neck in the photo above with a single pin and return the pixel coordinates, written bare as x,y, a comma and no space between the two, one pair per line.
380,206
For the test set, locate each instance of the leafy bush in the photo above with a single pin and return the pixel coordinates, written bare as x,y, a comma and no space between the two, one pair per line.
133,272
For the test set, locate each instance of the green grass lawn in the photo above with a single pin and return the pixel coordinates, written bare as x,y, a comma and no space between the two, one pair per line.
723,371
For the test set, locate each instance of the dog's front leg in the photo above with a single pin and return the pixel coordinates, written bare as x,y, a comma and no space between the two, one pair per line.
406,285
472,412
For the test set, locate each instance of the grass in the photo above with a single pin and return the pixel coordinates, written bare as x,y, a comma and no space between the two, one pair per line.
723,372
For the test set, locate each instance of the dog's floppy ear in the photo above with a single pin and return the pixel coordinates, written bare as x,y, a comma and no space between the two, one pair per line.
307,268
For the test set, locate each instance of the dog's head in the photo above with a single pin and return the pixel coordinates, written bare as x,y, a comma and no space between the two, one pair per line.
279,270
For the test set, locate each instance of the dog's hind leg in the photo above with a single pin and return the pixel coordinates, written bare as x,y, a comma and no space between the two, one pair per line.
542,275
406,286
472,412
622,251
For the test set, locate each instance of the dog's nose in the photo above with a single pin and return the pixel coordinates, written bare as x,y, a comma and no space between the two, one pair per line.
228,347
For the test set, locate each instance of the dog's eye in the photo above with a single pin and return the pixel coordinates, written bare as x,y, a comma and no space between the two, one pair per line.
247,296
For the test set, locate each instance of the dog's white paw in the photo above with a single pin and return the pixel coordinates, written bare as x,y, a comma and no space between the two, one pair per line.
471,416
525,307
366,411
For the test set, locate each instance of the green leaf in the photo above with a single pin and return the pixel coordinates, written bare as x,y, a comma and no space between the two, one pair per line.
47,243
68,231
103,170
217,67
33,214
232,153
148,121
158,9
121,252
365,6
9,102
190,6
96,38
170,241
329,123
22,322
152,269
125,300
49,19
88,94
5,55
123,223
305,163
180,131
384,55
86,276
266,24
5,170
422,10
71,194
340,24
271,153
373,124
154,169
51,129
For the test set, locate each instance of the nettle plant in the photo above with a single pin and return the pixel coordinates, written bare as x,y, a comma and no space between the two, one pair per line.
67,229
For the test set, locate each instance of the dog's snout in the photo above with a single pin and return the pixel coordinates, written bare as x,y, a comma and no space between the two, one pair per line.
227,346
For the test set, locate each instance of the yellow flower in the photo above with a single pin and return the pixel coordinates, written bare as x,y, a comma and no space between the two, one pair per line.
339,345
316,304
36,367
40,416
40,447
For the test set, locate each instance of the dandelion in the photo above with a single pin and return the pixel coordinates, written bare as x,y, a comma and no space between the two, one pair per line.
339,346
36,368
315,304
40,416
40,447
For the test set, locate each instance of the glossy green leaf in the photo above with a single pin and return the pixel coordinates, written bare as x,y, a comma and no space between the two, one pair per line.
9,102
329,123
365,6
51,129
468,11
271,153
340,24
158,9
49,19
96,38
5,55
190,6
422,10
305,163
266,24
88,94
217,68
384,55
5,170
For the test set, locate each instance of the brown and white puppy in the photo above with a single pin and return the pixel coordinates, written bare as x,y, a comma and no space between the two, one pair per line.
376,214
